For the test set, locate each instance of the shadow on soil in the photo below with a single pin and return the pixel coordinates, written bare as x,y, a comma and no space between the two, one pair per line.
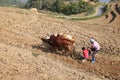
48,49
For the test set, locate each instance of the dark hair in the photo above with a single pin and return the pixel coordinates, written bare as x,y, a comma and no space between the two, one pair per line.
83,48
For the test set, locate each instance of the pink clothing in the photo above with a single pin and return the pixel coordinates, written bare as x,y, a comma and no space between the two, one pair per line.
86,53
96,46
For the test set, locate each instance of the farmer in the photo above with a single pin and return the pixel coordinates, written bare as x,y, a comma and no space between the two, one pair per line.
95,47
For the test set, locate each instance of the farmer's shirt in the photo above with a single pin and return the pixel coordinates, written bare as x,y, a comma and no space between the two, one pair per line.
96,46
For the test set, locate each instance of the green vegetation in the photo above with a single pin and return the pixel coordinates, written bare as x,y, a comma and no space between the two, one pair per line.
39,4
15,3
66,7
90,11
95,1
88,15
60,6
114,0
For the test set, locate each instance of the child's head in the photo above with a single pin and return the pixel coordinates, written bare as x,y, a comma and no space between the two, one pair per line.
83,48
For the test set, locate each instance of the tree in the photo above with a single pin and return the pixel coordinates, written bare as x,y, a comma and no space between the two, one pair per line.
83,6
94,0
58,6
16,3
34,4
66,9
74,8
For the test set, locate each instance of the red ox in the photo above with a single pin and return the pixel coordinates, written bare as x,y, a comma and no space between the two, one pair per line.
60,41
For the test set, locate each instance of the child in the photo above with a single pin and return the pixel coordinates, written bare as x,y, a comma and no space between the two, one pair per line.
86,53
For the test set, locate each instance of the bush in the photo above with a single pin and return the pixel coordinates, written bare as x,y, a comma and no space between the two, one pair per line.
15,3
90,11
60,6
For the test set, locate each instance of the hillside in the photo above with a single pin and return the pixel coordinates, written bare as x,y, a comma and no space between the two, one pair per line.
111,18
23,56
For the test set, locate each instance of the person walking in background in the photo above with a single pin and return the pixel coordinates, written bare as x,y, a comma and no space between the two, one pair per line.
95,47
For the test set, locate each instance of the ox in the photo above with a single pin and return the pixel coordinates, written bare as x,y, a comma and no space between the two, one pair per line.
60,41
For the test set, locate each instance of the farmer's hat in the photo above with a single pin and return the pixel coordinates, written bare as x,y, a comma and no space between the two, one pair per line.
92,40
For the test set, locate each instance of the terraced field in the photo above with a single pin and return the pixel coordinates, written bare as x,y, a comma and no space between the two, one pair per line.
24,57
111,18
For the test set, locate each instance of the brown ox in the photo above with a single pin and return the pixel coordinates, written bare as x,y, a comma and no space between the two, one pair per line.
60,41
